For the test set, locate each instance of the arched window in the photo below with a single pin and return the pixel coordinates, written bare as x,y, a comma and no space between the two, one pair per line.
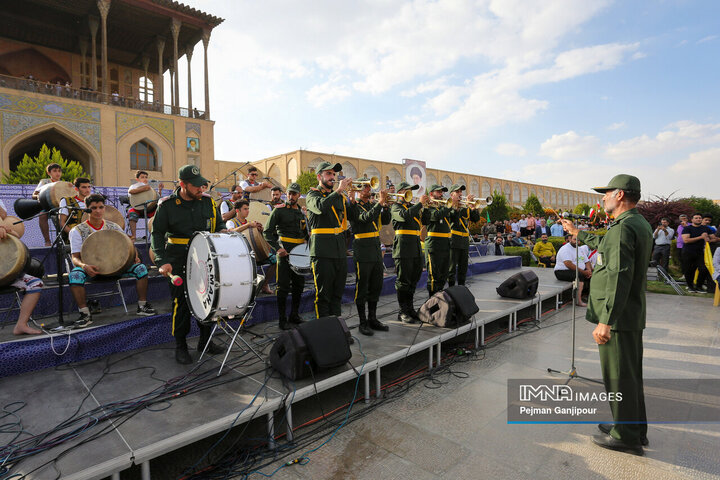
146,89
143,157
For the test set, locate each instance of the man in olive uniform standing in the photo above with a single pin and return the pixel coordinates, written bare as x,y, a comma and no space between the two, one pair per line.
285,229
366,219
186,211
460,240
617,306
437,243
327,219
407,252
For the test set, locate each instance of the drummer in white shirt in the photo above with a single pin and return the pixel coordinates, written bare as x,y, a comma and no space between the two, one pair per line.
227,207
54,170
567,260
32,286
240,222
140,186
83,187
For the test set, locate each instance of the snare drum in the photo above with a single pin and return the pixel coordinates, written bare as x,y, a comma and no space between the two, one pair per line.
14,259
51,194
220,275
300,259
258,243
111,251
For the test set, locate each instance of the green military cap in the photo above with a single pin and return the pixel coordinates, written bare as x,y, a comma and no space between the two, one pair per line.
406,186
621,182
457,187
293,187
438,188
328,166
191,174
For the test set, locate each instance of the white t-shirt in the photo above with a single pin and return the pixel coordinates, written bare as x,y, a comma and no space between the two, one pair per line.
137,185
567,252
63,205
515,227
246,183
585,250
42,183
76,238
522,223
224,207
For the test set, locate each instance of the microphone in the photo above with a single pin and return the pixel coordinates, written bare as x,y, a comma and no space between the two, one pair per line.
575,216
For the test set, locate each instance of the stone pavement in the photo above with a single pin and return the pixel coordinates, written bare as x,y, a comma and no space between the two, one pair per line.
459,431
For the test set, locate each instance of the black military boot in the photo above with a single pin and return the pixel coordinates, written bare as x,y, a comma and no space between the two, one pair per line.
212,348
295,309
282,309
182,356
404,315
411,307
364,327
374,323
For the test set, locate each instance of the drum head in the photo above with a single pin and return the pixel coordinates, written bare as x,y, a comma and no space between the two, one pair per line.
19,228
14,258
300,256
200,273
51,194
111,251
258,243
259,212
387,235
112,214
138,200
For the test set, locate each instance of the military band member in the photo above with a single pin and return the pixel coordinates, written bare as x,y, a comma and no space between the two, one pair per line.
285,229
76,204
438,219
366,220
276,197
460,239
227,207
327,219
179,215
407,251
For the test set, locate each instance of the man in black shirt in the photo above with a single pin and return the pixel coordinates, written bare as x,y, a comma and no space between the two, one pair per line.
694,238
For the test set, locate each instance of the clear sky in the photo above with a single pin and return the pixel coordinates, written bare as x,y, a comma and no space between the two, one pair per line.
565,93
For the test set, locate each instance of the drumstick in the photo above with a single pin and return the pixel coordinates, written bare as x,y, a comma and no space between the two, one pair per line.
174,279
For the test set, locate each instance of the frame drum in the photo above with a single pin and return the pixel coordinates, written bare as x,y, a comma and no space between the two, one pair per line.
19,228
14,259
220,275
259,212
258,243
51,194
112,214
137,200
111,251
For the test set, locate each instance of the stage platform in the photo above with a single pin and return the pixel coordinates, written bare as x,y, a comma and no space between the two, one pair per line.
117,382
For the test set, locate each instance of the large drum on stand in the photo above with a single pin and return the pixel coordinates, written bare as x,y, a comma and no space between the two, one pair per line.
260,247
220,275
111,251
14,259
51,194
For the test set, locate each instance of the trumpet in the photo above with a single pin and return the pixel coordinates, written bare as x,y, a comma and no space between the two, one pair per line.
374,183
477,203
442,202
396,197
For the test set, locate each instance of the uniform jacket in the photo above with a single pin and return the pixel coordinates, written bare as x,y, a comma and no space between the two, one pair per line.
438,221
327,220
461,227
366,219
286,228
406,223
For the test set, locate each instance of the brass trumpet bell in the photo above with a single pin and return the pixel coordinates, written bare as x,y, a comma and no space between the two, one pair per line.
396,197
477,203
374,183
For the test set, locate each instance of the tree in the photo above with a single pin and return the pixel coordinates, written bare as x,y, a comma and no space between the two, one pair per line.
663,207
533,205
703,205
32,169
582,209
498,209
306,180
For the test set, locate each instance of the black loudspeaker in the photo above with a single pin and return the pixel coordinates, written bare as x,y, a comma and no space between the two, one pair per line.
320,344
465,306
449,308
521,285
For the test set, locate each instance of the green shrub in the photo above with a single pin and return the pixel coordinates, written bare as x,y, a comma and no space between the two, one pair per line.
519,252
32,169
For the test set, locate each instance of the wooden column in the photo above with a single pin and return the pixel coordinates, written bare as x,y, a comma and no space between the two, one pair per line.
206,40
104,7
94,23
175,30
83,55
159,84
188,55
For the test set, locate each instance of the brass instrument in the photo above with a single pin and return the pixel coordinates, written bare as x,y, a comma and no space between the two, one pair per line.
396,197
477,203
442,202
374,183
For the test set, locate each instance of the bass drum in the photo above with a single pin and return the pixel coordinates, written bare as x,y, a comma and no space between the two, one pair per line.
51,194
14,259
220,275
300,259
112,214
111,251
260,246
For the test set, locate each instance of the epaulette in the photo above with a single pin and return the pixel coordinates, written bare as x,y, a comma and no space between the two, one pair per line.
163,199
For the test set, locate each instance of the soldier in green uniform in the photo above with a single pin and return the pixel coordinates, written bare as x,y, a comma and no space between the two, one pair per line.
407,251
366,219
178,216
327,218
617,306
285,229
460,240
438,219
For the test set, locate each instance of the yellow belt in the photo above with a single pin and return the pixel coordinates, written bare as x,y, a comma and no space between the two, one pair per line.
407,232
367,235
329,231
438,234
292,240
178,241
462,234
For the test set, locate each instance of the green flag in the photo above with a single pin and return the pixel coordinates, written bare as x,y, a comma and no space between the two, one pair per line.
487,215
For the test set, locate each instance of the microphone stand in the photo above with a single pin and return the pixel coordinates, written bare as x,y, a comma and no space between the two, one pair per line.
226,176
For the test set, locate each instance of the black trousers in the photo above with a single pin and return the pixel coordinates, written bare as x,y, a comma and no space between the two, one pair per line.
287,280
180,308
693,261
458,266
661,254
621,365
329,275
437,264
408,270
369,281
